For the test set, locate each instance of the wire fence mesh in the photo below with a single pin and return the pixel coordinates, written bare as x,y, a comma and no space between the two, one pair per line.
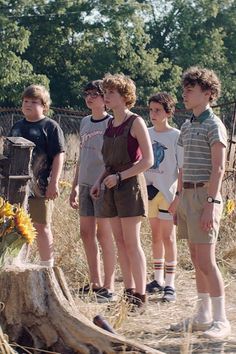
69,120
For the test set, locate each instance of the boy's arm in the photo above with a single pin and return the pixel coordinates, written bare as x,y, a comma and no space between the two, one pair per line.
75,189
173,206
218,157
52,191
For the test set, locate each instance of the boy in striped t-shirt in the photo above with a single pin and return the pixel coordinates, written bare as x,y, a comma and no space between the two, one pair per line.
204,140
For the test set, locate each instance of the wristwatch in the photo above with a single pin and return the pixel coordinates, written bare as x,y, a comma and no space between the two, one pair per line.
212,200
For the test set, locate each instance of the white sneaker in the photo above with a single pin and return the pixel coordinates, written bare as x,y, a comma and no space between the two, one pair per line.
218,330
190,324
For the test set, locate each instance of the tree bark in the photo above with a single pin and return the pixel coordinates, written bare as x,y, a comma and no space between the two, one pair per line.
39,311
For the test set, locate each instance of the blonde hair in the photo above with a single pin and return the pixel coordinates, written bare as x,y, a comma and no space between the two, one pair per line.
124,85
205,78
40,92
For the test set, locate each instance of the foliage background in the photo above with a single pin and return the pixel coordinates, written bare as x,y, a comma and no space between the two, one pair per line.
65,43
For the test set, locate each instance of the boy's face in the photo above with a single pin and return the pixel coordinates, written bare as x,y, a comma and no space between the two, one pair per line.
32,108
93,99
113,98
194,96
157,113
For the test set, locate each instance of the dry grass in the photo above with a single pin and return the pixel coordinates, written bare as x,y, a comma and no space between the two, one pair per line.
151,327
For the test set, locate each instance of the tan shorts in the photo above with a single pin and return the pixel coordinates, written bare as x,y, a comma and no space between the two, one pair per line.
41,210
89,206
158,208
189,212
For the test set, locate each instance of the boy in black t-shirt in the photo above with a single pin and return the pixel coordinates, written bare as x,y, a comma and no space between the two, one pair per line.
47,163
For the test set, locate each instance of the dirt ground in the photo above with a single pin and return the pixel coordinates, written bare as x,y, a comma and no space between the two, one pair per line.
152,327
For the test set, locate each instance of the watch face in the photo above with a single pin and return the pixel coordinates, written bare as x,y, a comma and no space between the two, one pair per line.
210,199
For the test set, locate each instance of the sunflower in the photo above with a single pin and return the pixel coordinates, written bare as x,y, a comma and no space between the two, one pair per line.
229,206
6,209
24,225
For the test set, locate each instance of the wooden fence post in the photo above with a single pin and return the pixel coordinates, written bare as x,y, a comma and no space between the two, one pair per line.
15,169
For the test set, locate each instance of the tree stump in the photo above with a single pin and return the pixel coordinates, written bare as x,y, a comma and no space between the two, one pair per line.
39,311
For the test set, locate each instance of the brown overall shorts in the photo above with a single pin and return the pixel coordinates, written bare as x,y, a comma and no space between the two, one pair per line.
130,198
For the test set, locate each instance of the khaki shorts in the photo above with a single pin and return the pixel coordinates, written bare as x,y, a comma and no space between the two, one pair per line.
89,206
41,210
158,208
189,213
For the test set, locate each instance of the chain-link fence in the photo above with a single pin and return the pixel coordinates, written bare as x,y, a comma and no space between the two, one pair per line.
70,119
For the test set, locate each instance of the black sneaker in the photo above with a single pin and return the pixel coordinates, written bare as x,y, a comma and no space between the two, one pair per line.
154,287
84,290
105,295
169,294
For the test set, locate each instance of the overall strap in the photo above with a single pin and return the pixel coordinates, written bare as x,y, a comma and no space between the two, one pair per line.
128,126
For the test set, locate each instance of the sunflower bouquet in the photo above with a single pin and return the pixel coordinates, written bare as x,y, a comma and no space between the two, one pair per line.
16,229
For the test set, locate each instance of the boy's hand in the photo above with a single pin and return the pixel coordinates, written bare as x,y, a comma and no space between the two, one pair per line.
52,191
74,202
95,190
173,206
207,218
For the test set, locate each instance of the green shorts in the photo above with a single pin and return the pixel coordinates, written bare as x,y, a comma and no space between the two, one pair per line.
40,210
129,200
189,212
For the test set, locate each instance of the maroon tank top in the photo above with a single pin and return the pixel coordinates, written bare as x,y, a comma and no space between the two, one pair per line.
132,144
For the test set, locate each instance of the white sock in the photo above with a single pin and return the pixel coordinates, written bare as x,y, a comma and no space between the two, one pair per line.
204,313
218,308
48,263
158,265
170,269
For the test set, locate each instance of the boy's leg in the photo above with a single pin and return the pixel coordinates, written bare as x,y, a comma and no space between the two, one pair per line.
45,243
41,210
104,235
122,253
157,250
169,240
157,246
208,277
88,236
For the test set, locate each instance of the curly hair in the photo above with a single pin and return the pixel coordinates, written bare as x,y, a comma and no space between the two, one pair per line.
205,78
165,99
40,92
124,85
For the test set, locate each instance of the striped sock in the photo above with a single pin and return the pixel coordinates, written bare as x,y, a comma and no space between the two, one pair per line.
170,269
158,266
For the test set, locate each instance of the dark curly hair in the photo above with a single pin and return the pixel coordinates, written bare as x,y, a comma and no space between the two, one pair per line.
165,99
205,78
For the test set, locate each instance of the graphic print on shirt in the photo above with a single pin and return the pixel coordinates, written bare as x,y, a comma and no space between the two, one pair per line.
159,155
86,136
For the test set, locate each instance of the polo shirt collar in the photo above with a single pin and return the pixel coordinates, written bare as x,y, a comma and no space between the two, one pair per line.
203,116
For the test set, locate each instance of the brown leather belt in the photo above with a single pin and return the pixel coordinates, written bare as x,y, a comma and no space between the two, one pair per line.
190,185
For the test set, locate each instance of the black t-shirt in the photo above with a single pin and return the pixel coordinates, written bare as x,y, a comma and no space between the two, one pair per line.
48,138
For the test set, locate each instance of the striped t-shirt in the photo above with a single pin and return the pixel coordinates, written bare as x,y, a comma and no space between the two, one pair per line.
196,137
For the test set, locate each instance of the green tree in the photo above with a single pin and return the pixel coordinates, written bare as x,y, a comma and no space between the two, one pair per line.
76,41
197,32
15,72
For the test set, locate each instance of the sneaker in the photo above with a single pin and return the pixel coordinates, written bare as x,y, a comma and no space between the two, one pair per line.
219,330
190,325
169,294
154,287
105,295
128,293
84,290
137,303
